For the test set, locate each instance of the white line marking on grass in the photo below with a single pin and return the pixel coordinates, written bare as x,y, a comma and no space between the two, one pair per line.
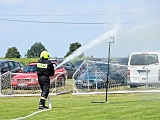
50,107
21,118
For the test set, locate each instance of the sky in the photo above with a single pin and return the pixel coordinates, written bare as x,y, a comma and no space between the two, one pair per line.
135,26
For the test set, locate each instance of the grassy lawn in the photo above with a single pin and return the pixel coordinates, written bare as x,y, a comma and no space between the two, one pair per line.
140,106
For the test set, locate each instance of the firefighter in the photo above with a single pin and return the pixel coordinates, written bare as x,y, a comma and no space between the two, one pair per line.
45,69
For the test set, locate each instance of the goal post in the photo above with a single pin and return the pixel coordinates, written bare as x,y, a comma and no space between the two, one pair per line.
0,84
13,85
91,76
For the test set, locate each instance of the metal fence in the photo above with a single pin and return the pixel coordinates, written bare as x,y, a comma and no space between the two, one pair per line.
19,84
91,77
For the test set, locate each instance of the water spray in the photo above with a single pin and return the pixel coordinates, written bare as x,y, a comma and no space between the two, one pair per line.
94,42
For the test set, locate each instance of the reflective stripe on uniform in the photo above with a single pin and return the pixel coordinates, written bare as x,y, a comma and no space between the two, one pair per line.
43,98
41,65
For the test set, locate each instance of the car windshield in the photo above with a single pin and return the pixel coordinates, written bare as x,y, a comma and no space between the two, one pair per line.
102,67
144,59
21,65
99,67
30,68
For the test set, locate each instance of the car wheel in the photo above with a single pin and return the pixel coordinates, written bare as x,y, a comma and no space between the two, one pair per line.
79,86
52,85
133,86
14,88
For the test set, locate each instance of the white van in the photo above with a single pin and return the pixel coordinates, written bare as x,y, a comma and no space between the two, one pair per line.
143,68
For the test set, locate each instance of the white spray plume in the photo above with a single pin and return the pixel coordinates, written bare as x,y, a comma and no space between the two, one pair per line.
101,38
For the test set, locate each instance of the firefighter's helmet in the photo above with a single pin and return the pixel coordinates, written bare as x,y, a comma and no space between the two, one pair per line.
44,54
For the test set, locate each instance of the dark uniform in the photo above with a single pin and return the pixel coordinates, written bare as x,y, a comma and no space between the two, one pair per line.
45,69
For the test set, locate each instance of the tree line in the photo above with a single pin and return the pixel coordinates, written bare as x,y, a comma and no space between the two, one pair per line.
36,50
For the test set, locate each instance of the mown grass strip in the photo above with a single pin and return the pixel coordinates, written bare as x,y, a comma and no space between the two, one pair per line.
120,107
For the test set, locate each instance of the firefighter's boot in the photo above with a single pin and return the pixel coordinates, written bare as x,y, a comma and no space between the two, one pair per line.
42,104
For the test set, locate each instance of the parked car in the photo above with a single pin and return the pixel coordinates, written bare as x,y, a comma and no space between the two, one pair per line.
144,69
122,61
10,65
78,63
70,69
28,77
119,73
68,66
21,65
95,75
118,78
89,80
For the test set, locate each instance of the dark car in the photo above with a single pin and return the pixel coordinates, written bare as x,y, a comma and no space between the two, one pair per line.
117,78
21,65
93,76
90,80
119,73
9,65
97,75
70,69
68,66
78,63
122,61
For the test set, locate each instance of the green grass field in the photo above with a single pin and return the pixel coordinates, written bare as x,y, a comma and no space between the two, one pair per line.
139,106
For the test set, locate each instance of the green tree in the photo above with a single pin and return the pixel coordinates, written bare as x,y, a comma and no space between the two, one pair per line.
35,50
72,48
12,53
